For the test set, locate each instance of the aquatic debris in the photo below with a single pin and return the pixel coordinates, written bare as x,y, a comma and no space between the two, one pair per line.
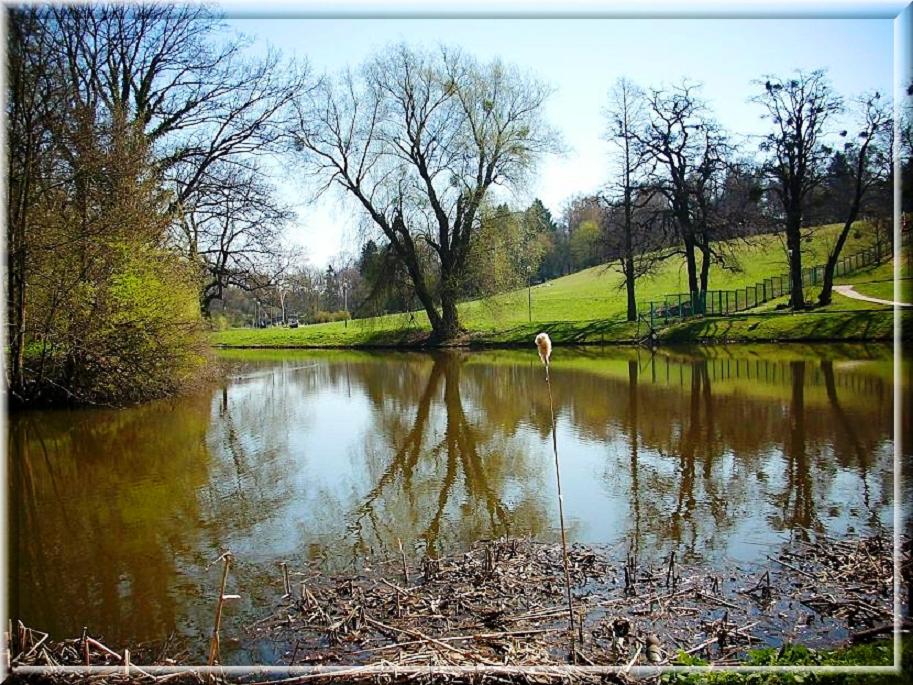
500,603
498,606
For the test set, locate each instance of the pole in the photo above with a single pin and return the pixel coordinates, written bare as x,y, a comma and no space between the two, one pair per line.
345,301
529,296
567,576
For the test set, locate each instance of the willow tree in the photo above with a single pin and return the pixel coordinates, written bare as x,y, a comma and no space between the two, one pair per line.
418,139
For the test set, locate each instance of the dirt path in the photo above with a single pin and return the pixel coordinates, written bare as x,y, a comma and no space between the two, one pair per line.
849,291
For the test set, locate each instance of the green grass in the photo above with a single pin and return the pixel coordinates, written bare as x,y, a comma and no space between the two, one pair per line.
589,307
821,325
878,654
884,290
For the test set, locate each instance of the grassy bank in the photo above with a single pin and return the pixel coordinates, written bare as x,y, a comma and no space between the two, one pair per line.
588,307
865,656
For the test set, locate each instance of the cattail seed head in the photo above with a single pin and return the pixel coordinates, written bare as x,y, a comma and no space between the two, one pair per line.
544,343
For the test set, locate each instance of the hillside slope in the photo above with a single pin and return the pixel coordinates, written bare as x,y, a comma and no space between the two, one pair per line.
589,306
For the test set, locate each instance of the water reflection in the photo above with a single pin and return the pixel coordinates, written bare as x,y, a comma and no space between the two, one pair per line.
105,518
454,476
334,458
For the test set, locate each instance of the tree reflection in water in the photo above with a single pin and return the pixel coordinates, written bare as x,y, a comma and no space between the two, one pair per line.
754,455
460,476
116,515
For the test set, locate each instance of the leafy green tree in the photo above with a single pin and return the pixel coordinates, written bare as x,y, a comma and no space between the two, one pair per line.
553,241
120,318
586,244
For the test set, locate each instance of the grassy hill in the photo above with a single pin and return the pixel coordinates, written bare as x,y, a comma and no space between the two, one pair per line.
589,306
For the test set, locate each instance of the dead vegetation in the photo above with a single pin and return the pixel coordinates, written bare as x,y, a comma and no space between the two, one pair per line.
498,611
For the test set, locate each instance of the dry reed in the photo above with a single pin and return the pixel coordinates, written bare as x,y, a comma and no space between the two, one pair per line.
544,345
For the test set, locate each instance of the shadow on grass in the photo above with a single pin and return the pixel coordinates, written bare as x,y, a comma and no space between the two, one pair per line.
600,331
815,326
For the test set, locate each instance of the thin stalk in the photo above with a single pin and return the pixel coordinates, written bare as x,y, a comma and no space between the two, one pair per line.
214,644
567,575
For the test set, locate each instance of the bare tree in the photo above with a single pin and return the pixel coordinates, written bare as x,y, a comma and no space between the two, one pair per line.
626,115
690,155
799,109
32,102
207,114
166,67
232,231
116,108
871,166
418,139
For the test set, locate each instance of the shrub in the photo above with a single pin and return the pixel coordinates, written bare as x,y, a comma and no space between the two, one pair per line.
325,317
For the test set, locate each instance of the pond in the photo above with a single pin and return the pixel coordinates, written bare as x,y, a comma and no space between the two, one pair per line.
334,458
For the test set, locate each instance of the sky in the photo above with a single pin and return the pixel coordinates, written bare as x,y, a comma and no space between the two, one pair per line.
581,59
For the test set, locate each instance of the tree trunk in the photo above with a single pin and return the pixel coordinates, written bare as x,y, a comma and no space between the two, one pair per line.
826,290
831,266
629,257
705,267
16,312
794,244
629,284
450,322
629,240
691,262
406,251
699,300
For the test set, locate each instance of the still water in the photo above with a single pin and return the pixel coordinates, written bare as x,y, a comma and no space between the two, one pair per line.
330,458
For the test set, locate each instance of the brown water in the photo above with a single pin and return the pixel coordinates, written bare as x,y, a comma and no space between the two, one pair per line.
331,457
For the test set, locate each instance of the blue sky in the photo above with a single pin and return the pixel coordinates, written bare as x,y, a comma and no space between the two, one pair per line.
581,58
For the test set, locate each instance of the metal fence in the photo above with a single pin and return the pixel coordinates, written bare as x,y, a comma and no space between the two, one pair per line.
679,306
